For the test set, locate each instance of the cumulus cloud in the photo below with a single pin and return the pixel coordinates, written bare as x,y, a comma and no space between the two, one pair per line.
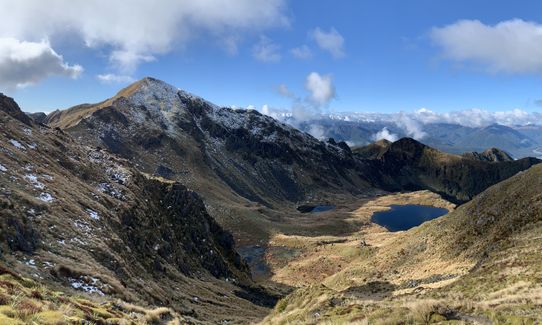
511,46
320,90
138,31
412,127
386,135
320,87
303,52
25,63
330,41
266,50
114,78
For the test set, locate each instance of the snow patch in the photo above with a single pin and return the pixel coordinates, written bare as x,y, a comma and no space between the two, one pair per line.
93,214
31,263
45,197
3,168
83,226
34,180
17,144
89,286
47,177
118,174
110,190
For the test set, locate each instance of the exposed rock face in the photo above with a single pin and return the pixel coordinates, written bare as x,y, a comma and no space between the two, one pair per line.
171,133
408,164
170,226
82,217
492,154
9,106
253,155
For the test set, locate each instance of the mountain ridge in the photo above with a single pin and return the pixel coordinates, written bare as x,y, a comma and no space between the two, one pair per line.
84,220
409,164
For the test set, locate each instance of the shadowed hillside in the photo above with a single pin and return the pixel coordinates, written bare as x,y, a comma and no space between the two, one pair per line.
411,165
82,219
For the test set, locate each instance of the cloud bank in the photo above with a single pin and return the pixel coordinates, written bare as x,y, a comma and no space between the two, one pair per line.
511,46
478,117
25,63
136,31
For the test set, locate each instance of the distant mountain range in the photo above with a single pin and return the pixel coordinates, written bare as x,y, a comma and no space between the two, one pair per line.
361,129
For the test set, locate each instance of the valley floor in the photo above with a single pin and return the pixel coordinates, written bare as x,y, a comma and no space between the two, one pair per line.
373,276
301,260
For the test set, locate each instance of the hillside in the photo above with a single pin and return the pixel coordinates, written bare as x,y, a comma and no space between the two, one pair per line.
252,170
491,154
478,264
82,220
247,166
411,165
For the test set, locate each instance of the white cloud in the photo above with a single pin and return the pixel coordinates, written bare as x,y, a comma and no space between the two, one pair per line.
284,91
128,61
330,41
301,112
412,127
477,117
266,50
321,88
136,31
114,78
303,52
512,46
317,131
386,135
25,63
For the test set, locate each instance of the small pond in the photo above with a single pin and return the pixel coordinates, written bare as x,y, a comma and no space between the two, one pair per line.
403,217
254,256
315,208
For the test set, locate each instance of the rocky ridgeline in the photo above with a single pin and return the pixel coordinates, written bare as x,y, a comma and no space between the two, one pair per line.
253,155
410,165
83,218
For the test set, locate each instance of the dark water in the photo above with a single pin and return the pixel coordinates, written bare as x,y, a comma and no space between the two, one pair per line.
322,208
315,208
403,217
254,257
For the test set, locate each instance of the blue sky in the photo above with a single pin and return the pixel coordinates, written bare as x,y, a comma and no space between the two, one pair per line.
390,60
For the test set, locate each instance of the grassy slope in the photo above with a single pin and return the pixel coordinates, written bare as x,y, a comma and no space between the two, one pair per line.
25,301
481,263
